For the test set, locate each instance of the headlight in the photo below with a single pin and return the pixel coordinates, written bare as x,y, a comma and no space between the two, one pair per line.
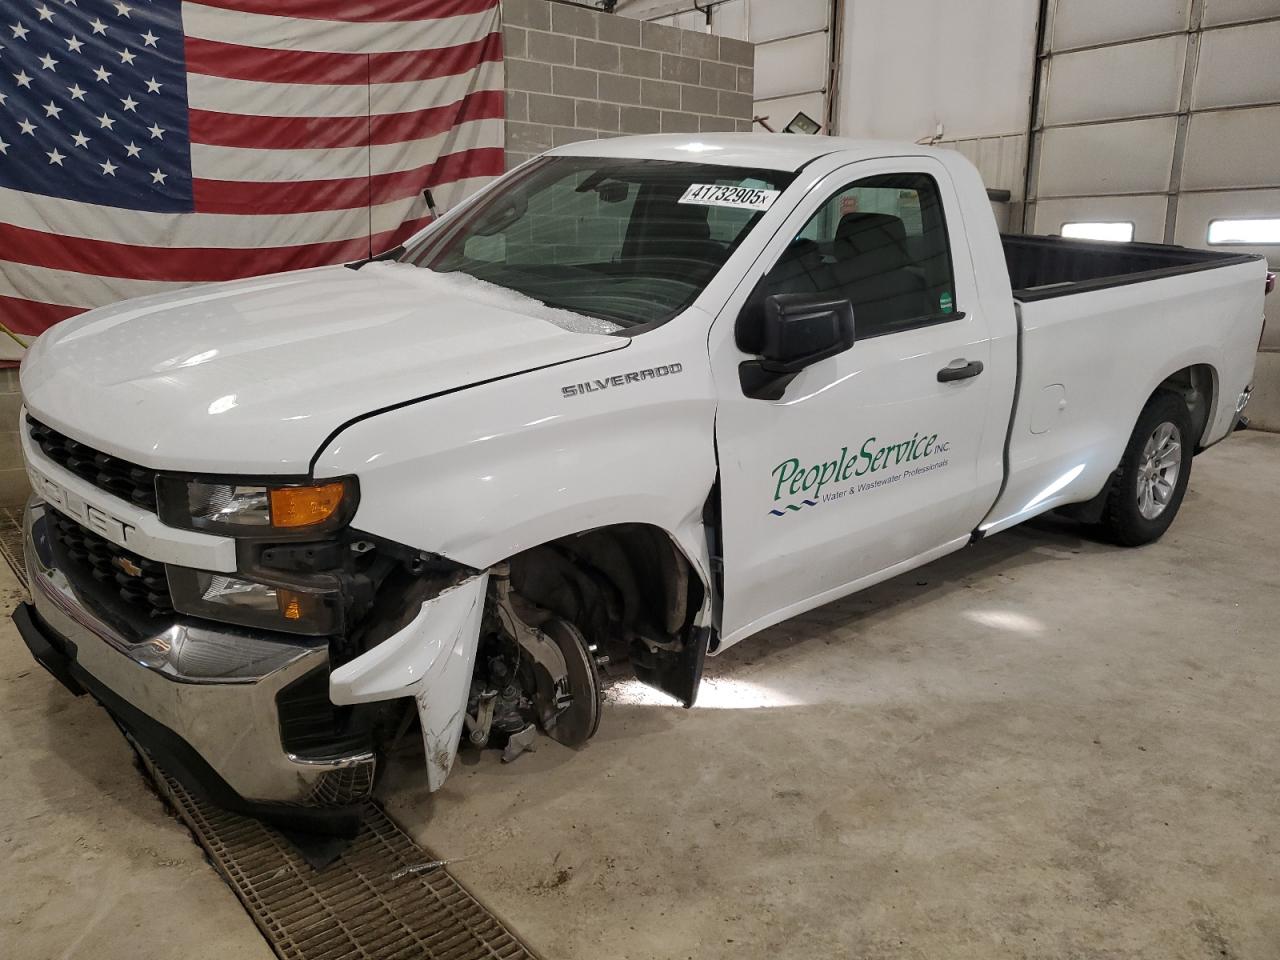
252,509
251,603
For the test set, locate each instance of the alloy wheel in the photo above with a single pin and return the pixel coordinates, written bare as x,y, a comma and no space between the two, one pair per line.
1158,470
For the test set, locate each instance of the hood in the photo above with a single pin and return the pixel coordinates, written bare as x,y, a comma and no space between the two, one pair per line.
252,376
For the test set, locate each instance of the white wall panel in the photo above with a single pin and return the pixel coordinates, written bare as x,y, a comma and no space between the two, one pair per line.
1233,11
1128,80
788,67
1233,148
729,19
1107,158
772,19
1145,213
909,65
1239,65
1000,160
1081,23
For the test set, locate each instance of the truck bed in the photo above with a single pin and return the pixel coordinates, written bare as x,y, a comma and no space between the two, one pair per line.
1041,267
1088,364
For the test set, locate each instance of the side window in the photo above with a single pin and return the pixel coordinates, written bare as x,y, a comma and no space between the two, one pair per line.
882,243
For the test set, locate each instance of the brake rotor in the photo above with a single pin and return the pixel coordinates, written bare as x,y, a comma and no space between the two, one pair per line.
578,722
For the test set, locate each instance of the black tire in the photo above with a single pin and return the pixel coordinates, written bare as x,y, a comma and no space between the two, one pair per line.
1127,518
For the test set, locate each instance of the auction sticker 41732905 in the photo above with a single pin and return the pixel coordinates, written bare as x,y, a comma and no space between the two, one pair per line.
714,195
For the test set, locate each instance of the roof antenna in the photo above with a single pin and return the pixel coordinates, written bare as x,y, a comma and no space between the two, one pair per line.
431,203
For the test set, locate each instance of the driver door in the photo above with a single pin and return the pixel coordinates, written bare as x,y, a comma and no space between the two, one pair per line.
867,463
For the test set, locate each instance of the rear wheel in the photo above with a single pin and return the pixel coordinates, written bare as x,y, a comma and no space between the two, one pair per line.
1149,484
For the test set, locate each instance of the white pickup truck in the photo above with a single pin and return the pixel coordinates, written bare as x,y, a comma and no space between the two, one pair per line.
633,402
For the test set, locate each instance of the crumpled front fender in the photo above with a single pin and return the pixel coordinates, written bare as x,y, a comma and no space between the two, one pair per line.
430,660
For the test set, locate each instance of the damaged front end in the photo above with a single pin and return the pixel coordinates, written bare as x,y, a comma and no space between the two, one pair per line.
241,717
271,687
288,727
282,714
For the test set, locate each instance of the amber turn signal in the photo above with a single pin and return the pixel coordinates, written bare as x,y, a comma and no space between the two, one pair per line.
297,606
293,507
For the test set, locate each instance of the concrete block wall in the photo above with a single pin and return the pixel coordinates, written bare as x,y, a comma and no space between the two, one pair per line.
580,74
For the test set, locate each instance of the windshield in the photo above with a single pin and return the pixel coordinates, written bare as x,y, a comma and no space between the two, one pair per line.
630,241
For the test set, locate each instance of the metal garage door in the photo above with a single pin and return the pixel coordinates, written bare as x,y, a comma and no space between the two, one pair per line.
1163,114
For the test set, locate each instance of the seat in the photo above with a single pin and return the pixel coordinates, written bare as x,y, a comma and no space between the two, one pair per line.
801,269
871,264
673,231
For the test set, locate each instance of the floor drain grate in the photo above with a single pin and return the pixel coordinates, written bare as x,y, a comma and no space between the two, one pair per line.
11,543
365,905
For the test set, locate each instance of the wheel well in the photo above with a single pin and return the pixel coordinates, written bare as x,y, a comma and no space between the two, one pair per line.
622,583
1196,385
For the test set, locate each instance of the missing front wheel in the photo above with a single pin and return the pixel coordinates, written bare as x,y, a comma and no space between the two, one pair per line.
532,667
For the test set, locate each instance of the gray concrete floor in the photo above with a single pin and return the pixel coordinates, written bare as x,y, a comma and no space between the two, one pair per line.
1039,747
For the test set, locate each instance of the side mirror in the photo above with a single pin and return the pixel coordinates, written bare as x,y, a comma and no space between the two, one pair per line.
791,331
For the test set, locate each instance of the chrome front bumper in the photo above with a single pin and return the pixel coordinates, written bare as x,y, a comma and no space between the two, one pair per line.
202,699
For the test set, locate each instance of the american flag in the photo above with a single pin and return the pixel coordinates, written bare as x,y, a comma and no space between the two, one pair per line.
151,144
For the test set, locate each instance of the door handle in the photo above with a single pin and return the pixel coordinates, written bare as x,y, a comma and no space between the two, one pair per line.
959,370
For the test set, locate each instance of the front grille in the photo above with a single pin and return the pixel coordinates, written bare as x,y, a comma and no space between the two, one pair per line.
139,582
126,480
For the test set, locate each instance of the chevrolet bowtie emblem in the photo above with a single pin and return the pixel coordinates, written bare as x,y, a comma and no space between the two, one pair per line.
127,566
